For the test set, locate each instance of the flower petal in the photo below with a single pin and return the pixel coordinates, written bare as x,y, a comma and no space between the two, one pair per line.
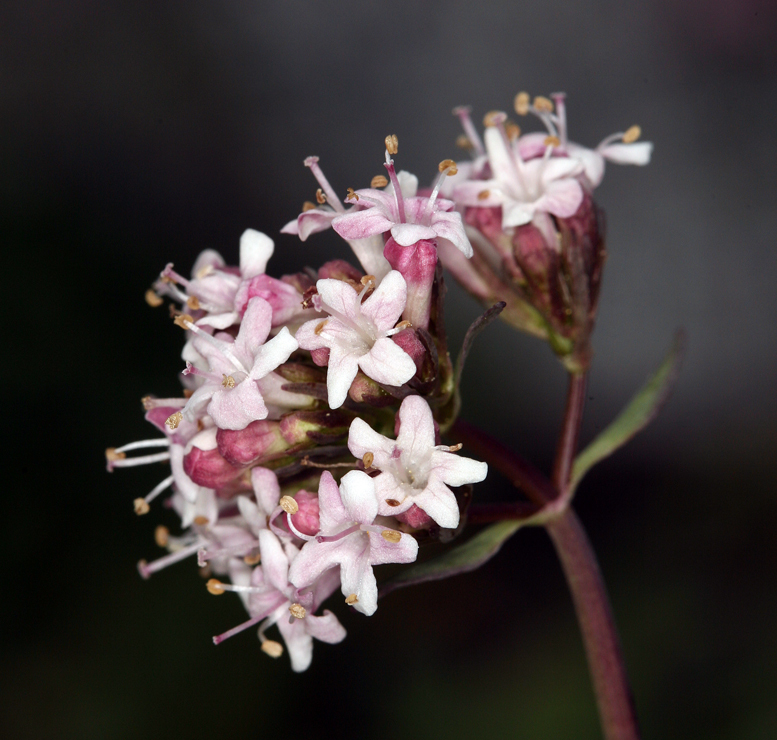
636,153
385,305
416,436
387,363
357,492
362,438
255,250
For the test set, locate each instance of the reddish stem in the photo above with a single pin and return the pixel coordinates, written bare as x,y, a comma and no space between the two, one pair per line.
570,430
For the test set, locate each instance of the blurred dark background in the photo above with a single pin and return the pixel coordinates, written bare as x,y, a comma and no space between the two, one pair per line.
134,134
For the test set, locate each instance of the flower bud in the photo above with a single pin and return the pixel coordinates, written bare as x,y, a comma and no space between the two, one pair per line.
209,468
417,264
306,428
306,520
408,340
415,518
284,299
366,390
340,270
260,440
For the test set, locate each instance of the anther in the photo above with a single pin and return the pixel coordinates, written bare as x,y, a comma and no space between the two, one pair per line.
272,648
201,521
463,142
112,456
543,104
494,118
141,506
297,611
193,302
455,448
253,559
228,381
320,197
404,324
392,502
632,134
188,393
148,402
521,103
215,587
162,535
392,144
448,164
351,599
368,280
368,459
174,420
153,299
308,206
378,182
289,505
513,130
181,319
320,326
391,535
350,195
551,141
483,194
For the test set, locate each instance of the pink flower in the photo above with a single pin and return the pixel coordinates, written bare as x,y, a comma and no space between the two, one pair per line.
349,538
413,469
357,334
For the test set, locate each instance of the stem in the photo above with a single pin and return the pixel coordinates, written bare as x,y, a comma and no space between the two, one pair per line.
600,637
484,513
570,431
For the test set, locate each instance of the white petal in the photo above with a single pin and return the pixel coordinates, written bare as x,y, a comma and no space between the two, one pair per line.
387,363
358,496
255,250
637,153
416,429
385,305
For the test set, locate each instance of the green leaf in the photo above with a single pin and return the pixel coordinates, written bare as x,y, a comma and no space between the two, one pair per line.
641,410
462,559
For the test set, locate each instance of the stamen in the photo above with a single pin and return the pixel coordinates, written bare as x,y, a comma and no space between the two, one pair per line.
146,569
294,530
368,459
393,502
404,324
320,326
463,142
351,195
494,118
320,197
448,164
513,130
483,194
254,559
215,587
340,535
193,302
184,320
162,535
204,555
632,134
446,167
272,648
368,281
121,461
543,104
244,626
111,455
141,507
378,182
201,521
228,381
551,141
153,299
351,599
297,611
398,195
308,206
289,505
149,402
521,103
174,420
391,535
392,144
472,136
143,444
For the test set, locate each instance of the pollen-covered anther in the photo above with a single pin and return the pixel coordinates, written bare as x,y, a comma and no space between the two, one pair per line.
193,302
369,280
254,559
449,165
351,599
456,447
513,130
494,118
289,505
552,141
182,319
632,134
483,194
272,648
112,456
153,299
227,381
521,103
351,195
320,197
404,324
320,326
174,420
543,104
463,142
297,611
215,587
201,521
368,459
308,206
148,402
162,535
378,182
391,535
392,144
141,506
393,502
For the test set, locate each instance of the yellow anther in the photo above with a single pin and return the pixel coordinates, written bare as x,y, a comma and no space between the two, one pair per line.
551,141
368,459
463,142
378,182
204,271
112,456
521,103
297,611
320,197
253,559
141,506
368,280
392,144
308,206
153,299
455,448
350,195
405,324
320,326
174,420
215,587
632,134
391,535
182,319
227,381
193,302
513,130
448,164
351,599
272,648
289,505
543,105
188,393
148,402
201,521
483,194
493,118
392,502
162,535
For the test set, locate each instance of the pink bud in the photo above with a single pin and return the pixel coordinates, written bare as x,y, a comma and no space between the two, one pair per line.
415,518
320,356
259,440
306,520
366,390
284,299
339,270
408,340
417,264
209,469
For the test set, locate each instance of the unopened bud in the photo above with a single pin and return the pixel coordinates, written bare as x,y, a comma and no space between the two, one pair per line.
392,144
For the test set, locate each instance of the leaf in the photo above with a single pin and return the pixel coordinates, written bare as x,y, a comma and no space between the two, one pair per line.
462,559
641,410
477,326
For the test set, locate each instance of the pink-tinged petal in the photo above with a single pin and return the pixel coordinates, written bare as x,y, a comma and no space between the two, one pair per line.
357,492
388,488
386,304
562,198
255,250
291,228
316,558
637,153
255,326
266,488
361,224
558,168
237,407
307,338
253,514
499,157
314,221
325,586
407,234
479,193
219,320
357,577
449,226
275,564
457,471
362,438
273,353
438,501
593,163
298,642
416,431
387,363
198,401
207,259
532,145
408,184
516,213
325,628
340,296
382,551
342,370
331,510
